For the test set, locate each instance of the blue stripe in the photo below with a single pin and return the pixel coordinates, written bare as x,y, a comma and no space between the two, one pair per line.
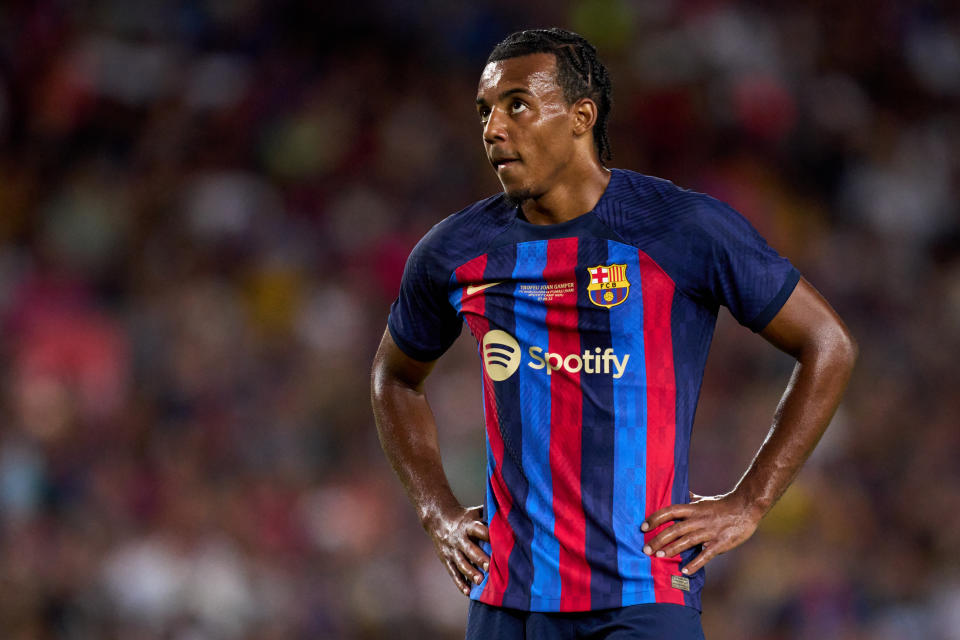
456,294
630,423
531,315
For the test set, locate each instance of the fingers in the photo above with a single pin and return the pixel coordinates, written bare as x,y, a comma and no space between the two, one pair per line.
463,568
460,553
462,560
701,560
673,512
457,576
478,530
668,535
718,524
684,543
476,555
686,532
466,569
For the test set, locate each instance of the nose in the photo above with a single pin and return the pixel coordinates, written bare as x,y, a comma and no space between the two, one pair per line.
495,128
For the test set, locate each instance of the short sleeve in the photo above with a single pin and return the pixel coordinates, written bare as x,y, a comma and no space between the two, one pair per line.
742,272
422,321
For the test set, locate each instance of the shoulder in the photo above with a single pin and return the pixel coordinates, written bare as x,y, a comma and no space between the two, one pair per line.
471,225
647,206
465,234
691,236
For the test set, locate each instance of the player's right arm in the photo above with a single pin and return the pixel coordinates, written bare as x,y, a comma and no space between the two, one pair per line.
408,435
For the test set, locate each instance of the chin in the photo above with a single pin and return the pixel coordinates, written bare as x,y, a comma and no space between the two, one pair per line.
517,192
517,196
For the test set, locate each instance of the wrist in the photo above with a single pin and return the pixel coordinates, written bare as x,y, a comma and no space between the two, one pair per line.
750,504
433,514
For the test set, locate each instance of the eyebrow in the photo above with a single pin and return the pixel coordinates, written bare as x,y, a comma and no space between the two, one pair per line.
508,92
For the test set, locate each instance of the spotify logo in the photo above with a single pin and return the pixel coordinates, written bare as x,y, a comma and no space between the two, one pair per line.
501,355
501,359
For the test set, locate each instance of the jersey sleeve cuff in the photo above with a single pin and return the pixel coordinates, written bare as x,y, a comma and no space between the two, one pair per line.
760,322
415,352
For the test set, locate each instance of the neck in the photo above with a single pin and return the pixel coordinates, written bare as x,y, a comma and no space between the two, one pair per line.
569,198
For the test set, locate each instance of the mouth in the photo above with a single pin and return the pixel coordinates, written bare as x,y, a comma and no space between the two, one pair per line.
500,163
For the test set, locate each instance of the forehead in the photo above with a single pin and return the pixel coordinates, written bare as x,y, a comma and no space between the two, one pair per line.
536,73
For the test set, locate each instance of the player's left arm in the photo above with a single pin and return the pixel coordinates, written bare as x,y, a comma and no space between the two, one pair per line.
810,330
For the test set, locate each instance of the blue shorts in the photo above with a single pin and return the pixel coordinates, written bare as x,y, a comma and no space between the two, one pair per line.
637,622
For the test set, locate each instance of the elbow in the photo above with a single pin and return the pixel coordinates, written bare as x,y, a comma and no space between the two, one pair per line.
838,349
379,382
832,346
378,377
847,348
387,379
393,370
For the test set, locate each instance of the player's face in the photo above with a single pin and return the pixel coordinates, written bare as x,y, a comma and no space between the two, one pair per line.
527,124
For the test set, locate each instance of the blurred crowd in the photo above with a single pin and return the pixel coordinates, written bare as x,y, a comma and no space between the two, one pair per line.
205,207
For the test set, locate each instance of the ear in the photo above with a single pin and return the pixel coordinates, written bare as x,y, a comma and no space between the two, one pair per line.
584,113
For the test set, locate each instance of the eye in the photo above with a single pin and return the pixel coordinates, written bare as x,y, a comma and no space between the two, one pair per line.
517,107
484,113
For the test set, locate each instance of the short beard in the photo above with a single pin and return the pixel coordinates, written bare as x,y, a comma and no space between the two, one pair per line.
517,198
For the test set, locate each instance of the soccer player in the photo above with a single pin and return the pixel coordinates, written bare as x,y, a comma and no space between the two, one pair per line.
592,294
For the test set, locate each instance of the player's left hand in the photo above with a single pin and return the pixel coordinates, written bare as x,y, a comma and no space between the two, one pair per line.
718,523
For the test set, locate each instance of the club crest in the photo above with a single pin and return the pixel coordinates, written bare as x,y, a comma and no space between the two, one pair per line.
608,285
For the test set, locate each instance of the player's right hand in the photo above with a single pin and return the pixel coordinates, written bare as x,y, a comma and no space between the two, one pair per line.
454,535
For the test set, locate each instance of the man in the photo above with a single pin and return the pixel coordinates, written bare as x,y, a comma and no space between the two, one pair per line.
593,295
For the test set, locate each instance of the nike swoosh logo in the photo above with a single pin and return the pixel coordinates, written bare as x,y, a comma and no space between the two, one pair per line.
477,289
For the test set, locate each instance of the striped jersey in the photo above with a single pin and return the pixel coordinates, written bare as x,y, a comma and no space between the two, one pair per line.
592,335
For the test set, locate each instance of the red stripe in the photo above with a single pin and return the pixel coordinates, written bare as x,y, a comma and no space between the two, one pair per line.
566,404
658,290
468,274
501,536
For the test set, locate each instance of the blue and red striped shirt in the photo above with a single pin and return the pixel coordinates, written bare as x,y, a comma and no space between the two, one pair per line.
593,335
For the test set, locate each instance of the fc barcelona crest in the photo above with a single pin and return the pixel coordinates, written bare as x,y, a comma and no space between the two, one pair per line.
608,285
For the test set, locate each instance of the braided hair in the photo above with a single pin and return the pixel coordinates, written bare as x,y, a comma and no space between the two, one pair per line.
580,74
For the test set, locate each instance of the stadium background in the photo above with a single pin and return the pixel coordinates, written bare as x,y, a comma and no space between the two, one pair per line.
204,211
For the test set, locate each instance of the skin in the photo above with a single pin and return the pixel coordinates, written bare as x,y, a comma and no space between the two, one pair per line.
408,434
555,175
553,171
